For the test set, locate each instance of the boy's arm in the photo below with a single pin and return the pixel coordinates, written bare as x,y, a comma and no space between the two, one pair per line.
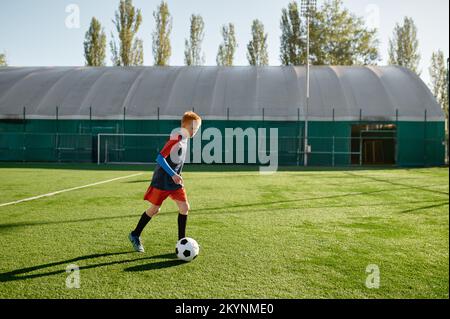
165,152
165,166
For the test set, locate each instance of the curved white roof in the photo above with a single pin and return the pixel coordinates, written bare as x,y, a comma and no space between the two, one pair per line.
375,93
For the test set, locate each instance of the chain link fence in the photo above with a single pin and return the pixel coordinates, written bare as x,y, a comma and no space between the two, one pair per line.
366,149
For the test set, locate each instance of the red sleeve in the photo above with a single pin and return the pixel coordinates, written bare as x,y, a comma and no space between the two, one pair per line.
165,152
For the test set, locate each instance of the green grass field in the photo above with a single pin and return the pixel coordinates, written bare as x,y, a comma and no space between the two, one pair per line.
294,234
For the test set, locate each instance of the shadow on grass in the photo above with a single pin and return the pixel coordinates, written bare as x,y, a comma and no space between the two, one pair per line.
138,181
381,180
26,273
209,210
157,265
415,210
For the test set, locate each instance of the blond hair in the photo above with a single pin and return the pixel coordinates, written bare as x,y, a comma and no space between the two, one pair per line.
190,116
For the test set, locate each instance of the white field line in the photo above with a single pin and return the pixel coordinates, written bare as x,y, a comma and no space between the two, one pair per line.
68,190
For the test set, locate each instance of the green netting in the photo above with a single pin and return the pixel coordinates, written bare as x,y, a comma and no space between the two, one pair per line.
413,144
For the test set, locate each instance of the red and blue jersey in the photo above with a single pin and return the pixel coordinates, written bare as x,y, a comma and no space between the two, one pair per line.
174,151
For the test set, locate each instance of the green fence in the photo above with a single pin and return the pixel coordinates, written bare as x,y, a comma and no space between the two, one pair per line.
138,148
333,143
42,147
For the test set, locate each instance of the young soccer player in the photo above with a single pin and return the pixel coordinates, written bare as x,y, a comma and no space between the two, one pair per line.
167,180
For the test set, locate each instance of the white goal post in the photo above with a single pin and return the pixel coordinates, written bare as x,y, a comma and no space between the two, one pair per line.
122,148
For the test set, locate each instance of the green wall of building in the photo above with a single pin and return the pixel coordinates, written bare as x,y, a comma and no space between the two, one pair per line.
418,143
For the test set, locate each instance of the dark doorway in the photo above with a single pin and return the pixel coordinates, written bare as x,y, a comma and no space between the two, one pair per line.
374,144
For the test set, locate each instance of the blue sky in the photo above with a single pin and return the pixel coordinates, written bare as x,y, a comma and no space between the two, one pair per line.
34,33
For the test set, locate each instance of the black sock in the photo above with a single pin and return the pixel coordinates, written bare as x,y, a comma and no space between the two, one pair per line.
182,219
141,224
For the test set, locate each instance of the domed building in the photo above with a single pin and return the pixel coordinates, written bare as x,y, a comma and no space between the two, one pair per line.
356,116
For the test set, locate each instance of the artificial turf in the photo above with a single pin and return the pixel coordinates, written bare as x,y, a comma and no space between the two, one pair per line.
293,234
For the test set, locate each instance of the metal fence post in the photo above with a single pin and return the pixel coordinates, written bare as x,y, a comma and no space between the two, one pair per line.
157,121
397,140
124,118
106,151
24,119
360,140
24,135
58,155
360,149
425,138
334,134
333,150
98,148
57,119
299,139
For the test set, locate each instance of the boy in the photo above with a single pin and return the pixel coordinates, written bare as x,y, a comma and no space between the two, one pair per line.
167,180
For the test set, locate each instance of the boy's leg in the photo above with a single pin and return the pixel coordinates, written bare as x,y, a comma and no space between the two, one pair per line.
183,208
143,221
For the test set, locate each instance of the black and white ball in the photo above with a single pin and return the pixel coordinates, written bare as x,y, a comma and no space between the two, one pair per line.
187,249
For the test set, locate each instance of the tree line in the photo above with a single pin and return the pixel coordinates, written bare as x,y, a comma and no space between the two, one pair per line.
337,37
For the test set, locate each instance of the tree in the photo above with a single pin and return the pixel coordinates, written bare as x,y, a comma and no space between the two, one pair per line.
162,49
404,46
3,61
339,37
95,44
227,49
129,50
439,82
292,51
193,47
257,47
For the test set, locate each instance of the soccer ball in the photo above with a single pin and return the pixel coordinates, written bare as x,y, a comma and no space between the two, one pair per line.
187,249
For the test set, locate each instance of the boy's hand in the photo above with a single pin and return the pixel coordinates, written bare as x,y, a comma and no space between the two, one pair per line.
177,179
